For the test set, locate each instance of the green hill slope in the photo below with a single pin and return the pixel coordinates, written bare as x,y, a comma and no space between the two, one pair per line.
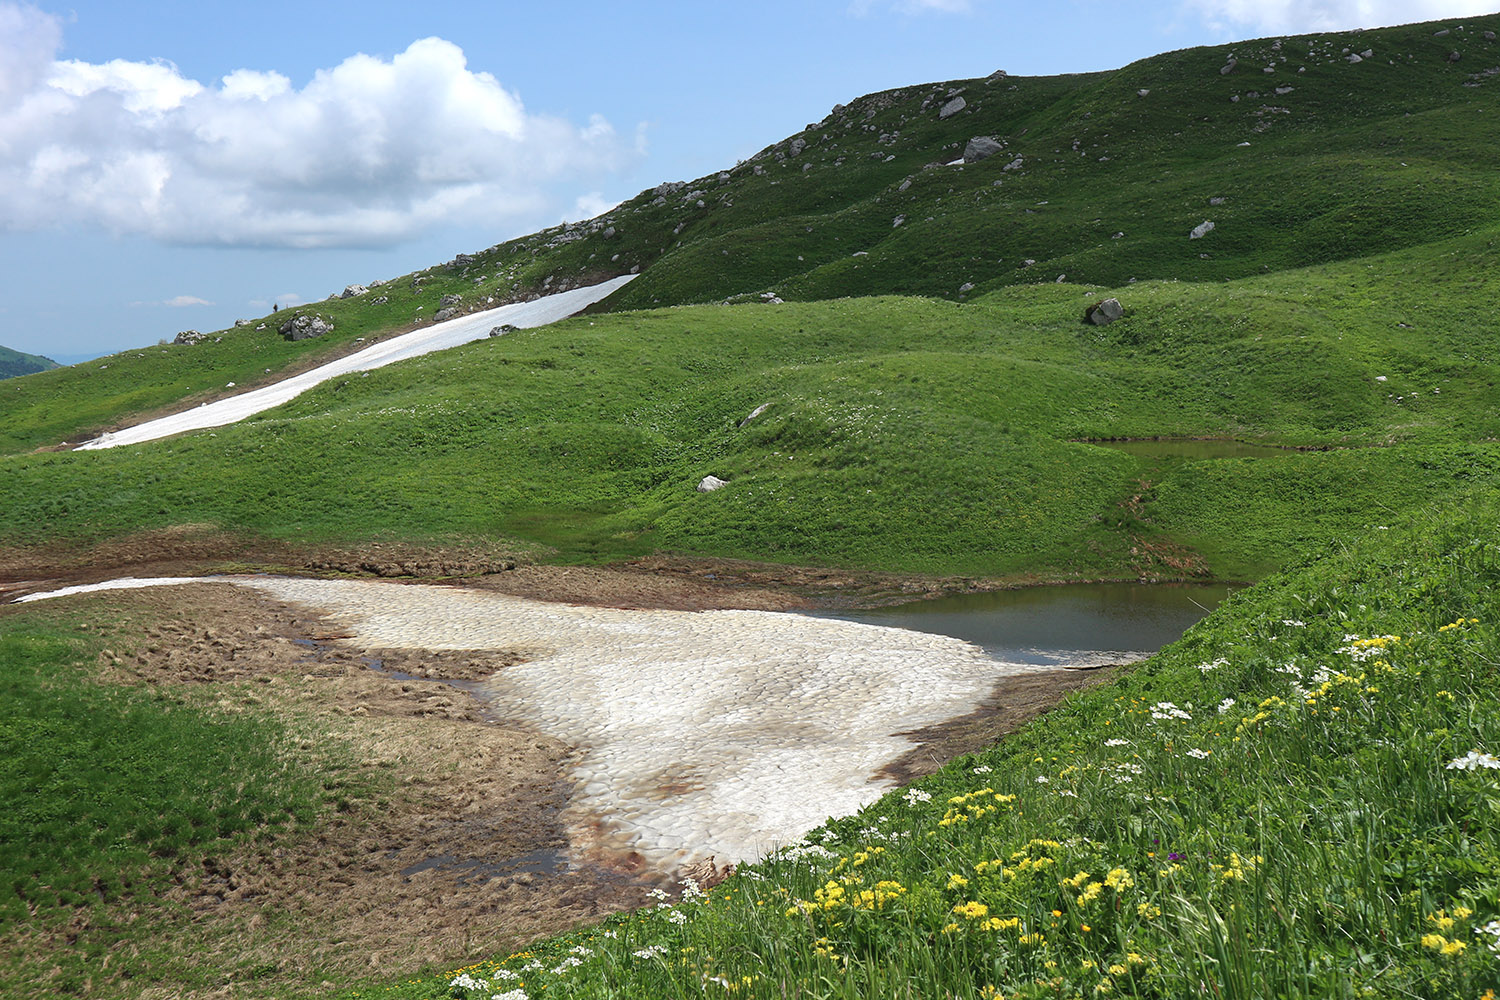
13,363
1353,160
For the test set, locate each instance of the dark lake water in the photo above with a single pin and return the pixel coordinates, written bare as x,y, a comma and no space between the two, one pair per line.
1074,624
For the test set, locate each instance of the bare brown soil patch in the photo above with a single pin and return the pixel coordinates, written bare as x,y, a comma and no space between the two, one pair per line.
460,854
1015,701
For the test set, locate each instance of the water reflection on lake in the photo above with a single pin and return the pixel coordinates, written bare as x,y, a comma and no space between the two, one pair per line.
1072,624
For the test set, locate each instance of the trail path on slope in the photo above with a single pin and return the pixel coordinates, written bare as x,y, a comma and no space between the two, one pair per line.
439,336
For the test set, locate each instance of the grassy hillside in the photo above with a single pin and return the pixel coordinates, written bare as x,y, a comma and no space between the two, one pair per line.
1355,160
899,433
1293,801
13,363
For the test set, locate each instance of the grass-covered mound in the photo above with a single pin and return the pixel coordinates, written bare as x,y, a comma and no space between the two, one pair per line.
899,434
1297,800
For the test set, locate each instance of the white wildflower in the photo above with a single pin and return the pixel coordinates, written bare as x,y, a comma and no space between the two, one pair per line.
691,890
1493,930
1294,623
506,975
657,894
1130,768
651,952
915,795
464,981
1117,743
1215,665
1067,793
1167,710
1200,754
1474,760
579,949
1226,705
1042,779
677,917
981,769
567,964
510,995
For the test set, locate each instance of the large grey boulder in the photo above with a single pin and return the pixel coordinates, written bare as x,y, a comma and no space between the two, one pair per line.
1201,230
443,315
710,483
303,326
952,108
1228,67
351,291
980,147
189,338
1105,312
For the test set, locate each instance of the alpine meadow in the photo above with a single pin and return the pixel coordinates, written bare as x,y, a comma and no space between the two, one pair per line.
883,337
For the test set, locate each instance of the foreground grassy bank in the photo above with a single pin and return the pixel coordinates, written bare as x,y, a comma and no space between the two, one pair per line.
1298,799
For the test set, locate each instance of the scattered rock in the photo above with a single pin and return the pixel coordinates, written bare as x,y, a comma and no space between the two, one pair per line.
241,322
904,185
448,301
996,76
303,326
898,221
1489,36
609,232
1354,57
351,291
382,300
952,108
443,315
1015,164
1368,53
378,282
762,408
1201,230
1454,57
1441,34
710,483
190,337
501,330
1216,201
797,145
1104,312
981,147
1228,67
966,288
1283,91
1143,93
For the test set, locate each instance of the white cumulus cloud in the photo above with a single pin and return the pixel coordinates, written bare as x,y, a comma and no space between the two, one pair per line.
1300,16
182,301
369,152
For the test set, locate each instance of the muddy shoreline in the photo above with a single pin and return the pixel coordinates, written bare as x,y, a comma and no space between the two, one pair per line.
464,854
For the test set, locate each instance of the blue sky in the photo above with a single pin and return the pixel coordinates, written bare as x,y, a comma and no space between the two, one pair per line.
173,165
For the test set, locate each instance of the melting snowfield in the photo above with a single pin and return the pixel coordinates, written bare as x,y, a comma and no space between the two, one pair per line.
439,336
711,732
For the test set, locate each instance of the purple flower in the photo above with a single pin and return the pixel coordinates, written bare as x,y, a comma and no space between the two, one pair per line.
1174,856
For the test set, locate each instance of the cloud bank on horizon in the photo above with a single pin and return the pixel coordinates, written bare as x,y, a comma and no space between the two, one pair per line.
368,153
1301,16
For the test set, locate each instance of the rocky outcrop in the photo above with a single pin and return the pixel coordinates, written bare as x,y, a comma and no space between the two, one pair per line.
1104,312
189,338
305,326
981,147
352,291
952,108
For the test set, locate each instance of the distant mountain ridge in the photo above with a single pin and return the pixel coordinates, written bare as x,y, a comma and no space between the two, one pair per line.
13,363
